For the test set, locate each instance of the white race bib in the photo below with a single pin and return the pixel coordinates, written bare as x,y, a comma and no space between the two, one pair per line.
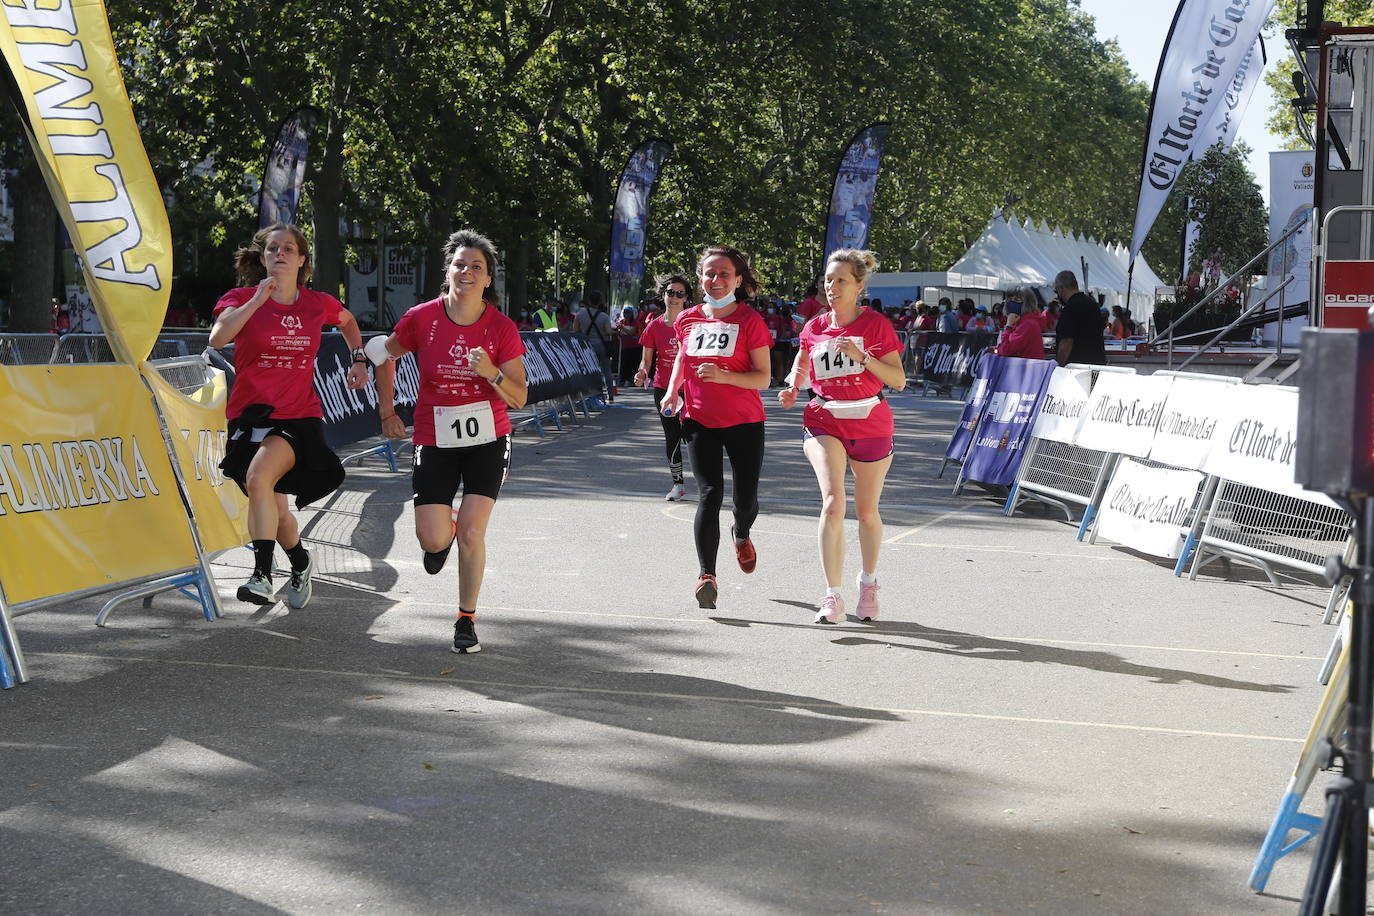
712,338
464,426
828,362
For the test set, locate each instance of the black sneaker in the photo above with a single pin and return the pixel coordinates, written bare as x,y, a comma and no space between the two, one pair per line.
258,589
465,636
435,561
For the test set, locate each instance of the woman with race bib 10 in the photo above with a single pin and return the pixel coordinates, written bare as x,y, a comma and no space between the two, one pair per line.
471,371
722,364
849,353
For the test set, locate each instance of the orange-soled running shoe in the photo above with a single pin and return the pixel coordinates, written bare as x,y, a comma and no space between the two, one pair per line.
707,591
745,553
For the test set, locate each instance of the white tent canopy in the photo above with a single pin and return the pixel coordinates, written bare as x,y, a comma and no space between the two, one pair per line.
1024,254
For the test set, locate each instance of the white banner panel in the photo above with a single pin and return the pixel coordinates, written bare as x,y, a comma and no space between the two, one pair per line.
1123,412
1207,44
1257,441
1146,508
1226,121
1192,413
1063,405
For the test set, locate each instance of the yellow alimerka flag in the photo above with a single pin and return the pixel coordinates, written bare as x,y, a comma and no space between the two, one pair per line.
199,435
79,120
87,493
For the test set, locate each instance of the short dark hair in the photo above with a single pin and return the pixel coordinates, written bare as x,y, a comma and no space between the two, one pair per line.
469,238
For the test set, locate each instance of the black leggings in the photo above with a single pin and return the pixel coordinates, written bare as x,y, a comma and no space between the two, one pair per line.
672,436
709,445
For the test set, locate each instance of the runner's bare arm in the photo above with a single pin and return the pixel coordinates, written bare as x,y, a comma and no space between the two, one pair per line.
757,377
357,370
888,369
232,320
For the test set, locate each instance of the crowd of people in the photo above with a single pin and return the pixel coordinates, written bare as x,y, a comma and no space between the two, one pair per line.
707,343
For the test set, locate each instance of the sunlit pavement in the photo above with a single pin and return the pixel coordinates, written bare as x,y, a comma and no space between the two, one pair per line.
1033,725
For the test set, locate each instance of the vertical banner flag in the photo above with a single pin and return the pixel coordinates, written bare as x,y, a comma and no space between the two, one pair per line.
1292,177
64,72
630,221
1208,42
856,180
284,173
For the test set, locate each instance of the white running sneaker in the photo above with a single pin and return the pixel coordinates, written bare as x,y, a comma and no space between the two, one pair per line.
678,492
867,608
831,609
298,587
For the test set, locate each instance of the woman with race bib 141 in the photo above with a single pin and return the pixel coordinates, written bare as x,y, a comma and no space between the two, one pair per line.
471,371
722,364
848,353
276,443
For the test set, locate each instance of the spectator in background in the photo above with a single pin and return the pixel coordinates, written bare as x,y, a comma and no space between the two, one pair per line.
811,306
1078,334
564,317
1051,316
545,318
1023,337
1118,326
965,313
925,318
627,345
522,321
949,319
981,321
592,322
999,315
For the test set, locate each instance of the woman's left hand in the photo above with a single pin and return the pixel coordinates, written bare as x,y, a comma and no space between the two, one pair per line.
481,363
357,376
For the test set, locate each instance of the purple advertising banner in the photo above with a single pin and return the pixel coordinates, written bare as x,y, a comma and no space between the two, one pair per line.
984,382
285,171
630,222
1005,427
856,180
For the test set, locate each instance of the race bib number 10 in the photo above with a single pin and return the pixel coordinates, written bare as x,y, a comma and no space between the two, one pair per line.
828,362
712,338
464,426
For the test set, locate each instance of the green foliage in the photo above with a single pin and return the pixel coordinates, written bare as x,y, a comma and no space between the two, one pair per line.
1279,74
1227,204
516,116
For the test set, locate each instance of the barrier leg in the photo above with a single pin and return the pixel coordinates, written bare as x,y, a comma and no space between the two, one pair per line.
6,672
1089,513
10,643
1009,508
1275,847
390,455
1189,543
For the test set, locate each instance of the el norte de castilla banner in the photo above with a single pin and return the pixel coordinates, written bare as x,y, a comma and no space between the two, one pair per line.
1208,44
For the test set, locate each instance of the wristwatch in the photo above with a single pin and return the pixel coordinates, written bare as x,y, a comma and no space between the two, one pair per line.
498,378
359,356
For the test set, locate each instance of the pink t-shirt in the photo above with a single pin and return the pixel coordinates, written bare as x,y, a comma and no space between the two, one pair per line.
810,307
274,352
659,336
441,348
836,378
727,342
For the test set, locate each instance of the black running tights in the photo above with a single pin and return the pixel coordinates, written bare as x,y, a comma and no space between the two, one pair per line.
672,436
709,446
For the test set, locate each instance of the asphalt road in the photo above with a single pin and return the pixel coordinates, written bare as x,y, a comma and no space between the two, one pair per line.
1034,724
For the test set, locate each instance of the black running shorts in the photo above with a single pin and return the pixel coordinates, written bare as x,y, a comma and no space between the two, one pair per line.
438,473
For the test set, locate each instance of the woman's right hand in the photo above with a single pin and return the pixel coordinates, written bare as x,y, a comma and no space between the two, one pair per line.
642,378
671,404
788,398
266,286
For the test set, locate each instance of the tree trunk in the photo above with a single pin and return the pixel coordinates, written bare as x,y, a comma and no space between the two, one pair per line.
518,258
34,251
326,203
439,225
597,275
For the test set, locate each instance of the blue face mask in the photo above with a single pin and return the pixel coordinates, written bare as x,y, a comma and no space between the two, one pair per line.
722,302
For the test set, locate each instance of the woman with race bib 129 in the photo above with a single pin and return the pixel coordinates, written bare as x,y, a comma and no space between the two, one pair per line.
848,353
722,364
471,371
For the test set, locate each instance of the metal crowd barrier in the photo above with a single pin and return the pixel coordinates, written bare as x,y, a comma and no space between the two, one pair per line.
42,349
1062,474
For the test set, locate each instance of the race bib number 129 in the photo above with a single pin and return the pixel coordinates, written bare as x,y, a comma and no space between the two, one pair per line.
712,338
464,426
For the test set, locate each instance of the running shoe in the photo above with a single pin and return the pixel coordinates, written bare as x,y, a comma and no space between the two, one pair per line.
258,589
465,636
706,592
745,553
298,588
831,609
678,492
867,608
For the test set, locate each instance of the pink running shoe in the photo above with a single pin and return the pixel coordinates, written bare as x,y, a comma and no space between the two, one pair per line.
831,609
867,608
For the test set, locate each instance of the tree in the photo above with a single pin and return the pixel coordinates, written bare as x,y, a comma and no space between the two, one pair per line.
1279,76
1227,205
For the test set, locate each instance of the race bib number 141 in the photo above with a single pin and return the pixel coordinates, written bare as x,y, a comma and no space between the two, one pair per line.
828,362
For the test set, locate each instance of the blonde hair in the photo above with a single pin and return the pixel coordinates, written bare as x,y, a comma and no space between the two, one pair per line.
248,260
861,261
